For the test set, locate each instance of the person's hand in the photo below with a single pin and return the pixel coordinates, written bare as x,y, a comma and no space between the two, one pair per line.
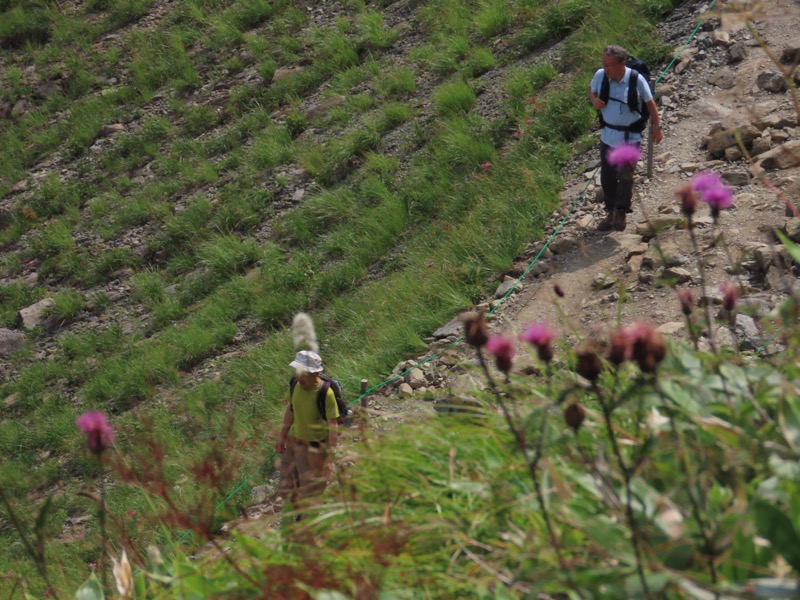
658,135
596,102
280,446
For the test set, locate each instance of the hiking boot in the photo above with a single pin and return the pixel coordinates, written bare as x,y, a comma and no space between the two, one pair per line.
619,222
607,224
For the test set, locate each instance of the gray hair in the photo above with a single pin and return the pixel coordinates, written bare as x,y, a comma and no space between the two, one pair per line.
618,52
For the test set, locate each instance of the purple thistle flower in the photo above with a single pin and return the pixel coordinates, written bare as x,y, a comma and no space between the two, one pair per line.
99,433
624,155
718,198
503,350
541,337
705,180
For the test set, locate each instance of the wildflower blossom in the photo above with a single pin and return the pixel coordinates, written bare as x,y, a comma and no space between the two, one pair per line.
718,198
99,433
541,337
712,191
705,180
503,350
624,155
487,167
559,291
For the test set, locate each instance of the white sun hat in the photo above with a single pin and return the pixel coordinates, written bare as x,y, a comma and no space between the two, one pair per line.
306,360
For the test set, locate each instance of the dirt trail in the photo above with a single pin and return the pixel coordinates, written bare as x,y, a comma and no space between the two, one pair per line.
691,108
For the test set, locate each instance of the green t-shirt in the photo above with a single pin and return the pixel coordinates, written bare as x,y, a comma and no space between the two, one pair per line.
308,424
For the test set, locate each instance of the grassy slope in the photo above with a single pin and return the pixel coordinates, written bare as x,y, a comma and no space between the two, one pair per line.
187,209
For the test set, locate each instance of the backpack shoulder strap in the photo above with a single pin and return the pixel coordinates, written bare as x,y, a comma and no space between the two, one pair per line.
322,394
633,92
605,89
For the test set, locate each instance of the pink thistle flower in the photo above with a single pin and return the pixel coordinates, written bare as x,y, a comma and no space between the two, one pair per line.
487,167
624,155
518,134
712,191
718,198
705,180
99,433
541,337
503,350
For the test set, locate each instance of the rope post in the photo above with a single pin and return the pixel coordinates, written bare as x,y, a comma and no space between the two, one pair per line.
364,385
650,140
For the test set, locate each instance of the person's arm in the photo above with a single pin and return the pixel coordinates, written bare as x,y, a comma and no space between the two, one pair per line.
288,420
658,134
595,100
595,85
333,433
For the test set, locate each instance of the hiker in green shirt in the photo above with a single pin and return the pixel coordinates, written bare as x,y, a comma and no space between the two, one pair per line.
306,439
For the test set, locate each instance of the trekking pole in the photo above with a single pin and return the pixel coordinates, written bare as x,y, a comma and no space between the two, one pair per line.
650,141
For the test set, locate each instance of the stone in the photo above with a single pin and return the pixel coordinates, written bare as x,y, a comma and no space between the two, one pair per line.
405,390
754,306
109,130
322,108
723,78
10,342
679,274
736,178
671,328
791,56
603,281
507,286
20,107
782,157
260,494
727,138
587,222
733,154
760,146
455,327
415,378
658,224
562,245
747,332
35,314
771,81
737,52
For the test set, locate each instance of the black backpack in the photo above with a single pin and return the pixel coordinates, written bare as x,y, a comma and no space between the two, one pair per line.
327,383
638,69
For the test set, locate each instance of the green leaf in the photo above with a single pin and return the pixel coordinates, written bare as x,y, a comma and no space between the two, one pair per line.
774,525
90,590
792,248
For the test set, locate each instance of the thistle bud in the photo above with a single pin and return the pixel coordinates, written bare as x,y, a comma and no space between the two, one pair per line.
729,296
619,347
687,301
589,365
558,290
476,332
503,350
687,198
574,415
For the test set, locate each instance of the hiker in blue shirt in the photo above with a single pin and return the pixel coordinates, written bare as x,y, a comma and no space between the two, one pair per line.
610,95
306,439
